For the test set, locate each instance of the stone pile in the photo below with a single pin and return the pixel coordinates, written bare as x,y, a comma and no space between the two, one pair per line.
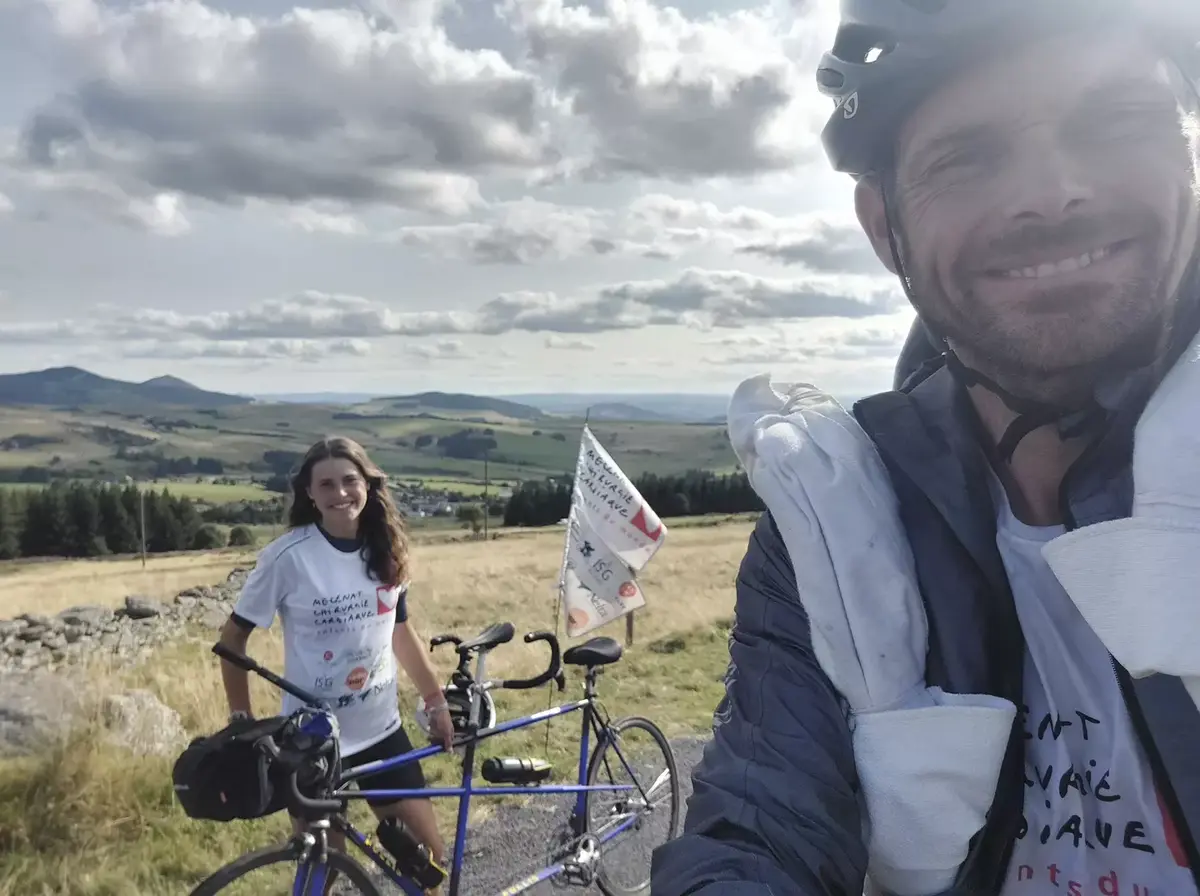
34,641
41,664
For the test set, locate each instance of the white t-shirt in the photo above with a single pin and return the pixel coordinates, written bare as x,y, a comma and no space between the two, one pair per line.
1093,823
337,630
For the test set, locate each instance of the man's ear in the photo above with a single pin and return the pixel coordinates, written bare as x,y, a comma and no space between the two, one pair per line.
872,216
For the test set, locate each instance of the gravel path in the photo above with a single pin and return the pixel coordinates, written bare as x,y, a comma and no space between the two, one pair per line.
513,840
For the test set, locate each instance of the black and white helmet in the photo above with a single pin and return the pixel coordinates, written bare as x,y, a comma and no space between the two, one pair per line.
889,54
459,702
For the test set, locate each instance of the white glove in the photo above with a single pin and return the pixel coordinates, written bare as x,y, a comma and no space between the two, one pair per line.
928,761
1134,580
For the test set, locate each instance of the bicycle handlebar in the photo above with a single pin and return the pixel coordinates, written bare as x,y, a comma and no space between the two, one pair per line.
267,744
244,662
553,671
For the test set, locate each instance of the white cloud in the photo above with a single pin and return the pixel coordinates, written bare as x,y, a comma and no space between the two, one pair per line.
697,297
442,350
429,180
670,96
307,350
565,343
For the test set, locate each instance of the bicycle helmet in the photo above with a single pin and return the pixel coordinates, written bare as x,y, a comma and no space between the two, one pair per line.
459,702
888,55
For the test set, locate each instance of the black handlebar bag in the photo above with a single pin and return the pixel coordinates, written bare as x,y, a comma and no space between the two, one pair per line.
222,777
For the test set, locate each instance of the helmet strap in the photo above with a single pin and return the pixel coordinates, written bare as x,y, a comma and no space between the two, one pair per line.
1031,413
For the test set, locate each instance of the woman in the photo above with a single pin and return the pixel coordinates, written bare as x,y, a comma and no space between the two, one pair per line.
338,579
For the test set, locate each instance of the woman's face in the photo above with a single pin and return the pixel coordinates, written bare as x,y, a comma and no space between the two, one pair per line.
339,491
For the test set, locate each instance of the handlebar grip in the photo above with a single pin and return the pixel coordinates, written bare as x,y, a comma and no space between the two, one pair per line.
439,640
520,684
238,659
267,745
244,662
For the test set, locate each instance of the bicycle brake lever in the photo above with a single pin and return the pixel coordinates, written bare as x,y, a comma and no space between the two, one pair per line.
561,680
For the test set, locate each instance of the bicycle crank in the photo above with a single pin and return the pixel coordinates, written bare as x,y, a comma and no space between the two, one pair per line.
581,868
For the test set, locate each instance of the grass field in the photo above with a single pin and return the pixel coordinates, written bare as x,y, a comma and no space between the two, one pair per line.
86,819
86,441
209,492
50,586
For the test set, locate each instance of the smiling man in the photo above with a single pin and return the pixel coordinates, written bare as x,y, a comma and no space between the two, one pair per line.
1028,169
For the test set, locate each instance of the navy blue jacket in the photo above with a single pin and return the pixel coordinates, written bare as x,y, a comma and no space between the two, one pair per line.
775,806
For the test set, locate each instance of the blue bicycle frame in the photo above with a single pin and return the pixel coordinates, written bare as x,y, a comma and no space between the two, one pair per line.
311,874
467,789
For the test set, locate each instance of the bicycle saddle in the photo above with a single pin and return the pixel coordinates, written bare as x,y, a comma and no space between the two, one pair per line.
492,636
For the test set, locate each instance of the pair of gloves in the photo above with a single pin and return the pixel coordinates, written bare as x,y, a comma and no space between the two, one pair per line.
929,761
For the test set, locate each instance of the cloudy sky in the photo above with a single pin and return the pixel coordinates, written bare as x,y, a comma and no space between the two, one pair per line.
398,195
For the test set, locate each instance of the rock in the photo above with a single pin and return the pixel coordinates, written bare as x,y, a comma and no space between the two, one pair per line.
142,608
37,641
86,617
143,724
214,618
34,708
10,627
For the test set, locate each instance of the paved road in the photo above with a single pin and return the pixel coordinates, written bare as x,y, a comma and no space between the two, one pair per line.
513,840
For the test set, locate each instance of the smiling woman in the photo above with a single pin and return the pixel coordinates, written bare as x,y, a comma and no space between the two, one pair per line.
338,580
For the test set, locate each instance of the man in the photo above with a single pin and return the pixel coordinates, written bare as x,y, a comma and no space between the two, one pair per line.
1026,168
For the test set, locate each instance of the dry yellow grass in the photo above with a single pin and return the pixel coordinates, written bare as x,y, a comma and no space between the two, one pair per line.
88,818
50,587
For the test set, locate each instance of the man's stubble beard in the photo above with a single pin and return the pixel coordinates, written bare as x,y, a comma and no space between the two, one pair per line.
1055,358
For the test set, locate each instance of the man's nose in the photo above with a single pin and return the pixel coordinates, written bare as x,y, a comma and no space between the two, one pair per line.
1048,182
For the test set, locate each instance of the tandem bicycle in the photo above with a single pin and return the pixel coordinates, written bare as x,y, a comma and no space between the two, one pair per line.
603,815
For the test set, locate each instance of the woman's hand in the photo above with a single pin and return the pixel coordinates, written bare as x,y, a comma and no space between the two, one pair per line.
441,726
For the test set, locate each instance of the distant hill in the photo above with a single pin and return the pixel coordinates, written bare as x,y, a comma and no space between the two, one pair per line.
663,406
75,387
619,410
318,397
457,402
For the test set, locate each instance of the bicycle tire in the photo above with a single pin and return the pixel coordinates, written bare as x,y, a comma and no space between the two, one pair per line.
606,885
277,853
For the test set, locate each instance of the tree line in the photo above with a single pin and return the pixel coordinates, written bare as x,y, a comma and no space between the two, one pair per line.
92,519
696,492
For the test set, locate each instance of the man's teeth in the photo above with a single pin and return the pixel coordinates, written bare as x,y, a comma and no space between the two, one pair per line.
1066,266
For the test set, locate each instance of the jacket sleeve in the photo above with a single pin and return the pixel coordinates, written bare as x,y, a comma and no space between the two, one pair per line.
774,809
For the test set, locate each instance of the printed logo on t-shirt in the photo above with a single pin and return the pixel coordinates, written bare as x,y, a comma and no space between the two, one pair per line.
341,613
1077,812
357,678
386,599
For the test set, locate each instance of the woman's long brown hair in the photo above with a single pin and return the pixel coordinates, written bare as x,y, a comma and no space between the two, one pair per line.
385,538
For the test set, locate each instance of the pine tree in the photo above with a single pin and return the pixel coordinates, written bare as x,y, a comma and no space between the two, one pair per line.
86,538
10,528
119,528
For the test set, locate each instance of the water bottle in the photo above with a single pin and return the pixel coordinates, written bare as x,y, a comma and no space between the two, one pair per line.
412,857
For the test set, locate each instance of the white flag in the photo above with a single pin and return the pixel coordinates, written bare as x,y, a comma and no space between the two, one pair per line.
615,509
611,532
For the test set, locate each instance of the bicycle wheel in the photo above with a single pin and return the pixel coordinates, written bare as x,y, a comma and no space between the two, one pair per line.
623,750
233,879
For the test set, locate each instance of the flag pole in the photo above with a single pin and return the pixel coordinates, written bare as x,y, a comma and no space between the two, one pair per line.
566,554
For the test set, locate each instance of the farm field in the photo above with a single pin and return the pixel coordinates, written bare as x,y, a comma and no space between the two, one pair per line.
87,819
109,444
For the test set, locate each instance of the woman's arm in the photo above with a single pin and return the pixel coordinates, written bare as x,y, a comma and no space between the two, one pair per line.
236,680
256,607
414,659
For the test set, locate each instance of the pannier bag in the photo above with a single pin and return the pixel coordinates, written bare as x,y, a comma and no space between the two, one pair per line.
221,777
